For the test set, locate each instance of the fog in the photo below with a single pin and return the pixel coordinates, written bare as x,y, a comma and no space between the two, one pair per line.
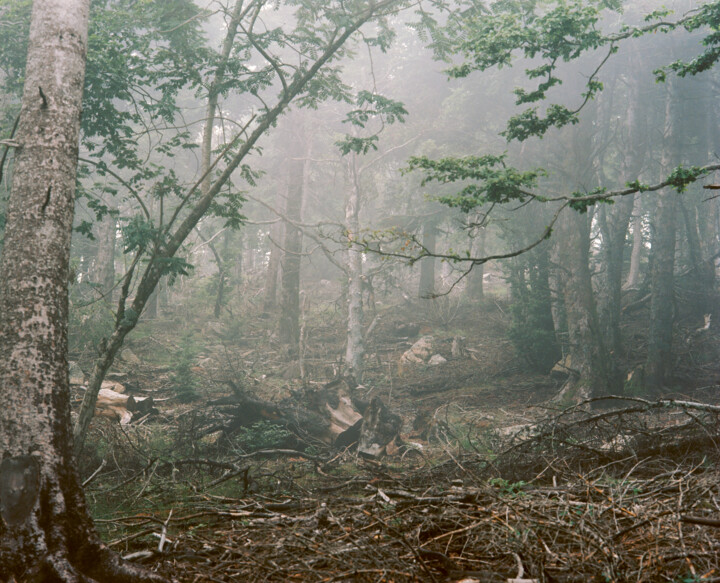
381,228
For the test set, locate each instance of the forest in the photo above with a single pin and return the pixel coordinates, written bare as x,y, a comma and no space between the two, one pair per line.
359,290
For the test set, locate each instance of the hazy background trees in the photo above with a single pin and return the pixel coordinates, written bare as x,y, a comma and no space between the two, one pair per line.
179,196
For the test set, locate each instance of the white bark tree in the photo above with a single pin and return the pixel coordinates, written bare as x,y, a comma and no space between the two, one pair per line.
46,533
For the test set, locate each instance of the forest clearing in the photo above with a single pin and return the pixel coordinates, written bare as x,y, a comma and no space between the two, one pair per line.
490,480
347,290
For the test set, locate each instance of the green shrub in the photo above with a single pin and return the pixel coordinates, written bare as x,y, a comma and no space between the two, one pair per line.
184,381
262,435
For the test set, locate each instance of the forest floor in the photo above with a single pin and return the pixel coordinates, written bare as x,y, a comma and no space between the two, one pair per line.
492,480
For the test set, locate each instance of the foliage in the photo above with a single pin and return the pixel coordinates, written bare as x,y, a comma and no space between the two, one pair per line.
370,106
545,35
556,32
183,379
492,180
705,16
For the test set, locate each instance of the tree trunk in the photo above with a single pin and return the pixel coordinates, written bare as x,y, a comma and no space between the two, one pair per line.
46,533
105,262
475,290
427,264
662,278
699,288
355,349
588,357
662,275
633,275
273,268
289,329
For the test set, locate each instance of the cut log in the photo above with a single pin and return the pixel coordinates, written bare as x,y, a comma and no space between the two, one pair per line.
334,402
114,405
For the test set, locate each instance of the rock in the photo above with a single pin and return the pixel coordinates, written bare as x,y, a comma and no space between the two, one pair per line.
216,328
404,329
437,359
292,371
77,376
420,352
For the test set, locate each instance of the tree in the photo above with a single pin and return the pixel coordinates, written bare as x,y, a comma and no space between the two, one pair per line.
549,37
46,533
294,63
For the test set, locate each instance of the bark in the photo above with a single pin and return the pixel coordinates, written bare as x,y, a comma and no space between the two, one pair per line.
427,264
590,375
105,261
615,219
355,349
273,268
657,365
221,274
475,287
289,328
614,223
46,533
633,276
662,274
699,285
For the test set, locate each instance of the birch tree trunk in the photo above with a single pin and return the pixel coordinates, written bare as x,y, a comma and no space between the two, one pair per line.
355,349
46,533
633,275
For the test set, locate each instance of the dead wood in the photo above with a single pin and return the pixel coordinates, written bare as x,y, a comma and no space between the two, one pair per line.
112,403
416,526
331,415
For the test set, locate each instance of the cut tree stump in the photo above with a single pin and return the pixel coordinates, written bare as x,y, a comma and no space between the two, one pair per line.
380,428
